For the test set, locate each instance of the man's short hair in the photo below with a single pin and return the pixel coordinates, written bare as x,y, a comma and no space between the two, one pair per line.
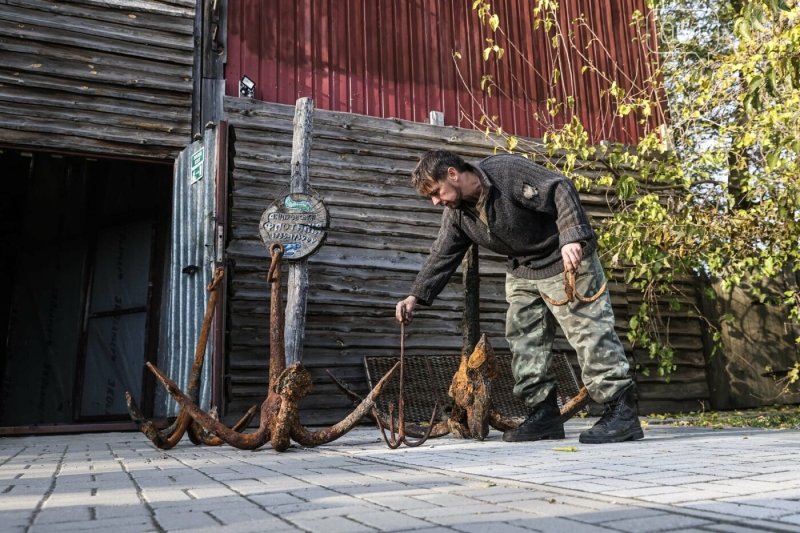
433,167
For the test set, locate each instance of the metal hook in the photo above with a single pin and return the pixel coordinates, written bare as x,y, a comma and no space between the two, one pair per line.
571,290
394,441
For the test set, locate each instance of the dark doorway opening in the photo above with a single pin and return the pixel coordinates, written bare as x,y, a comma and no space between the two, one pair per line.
83,262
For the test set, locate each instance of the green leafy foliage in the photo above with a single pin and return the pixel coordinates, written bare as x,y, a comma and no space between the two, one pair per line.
765,417
713,184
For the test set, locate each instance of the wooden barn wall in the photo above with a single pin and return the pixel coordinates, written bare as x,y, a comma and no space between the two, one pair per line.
395,58
381,231
112,78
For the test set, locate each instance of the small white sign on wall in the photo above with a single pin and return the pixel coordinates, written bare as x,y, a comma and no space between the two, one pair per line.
197,165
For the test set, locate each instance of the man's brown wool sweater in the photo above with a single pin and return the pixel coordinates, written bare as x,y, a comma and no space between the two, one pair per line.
530,213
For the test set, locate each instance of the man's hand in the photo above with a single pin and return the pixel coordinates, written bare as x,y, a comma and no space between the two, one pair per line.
572,254
405,309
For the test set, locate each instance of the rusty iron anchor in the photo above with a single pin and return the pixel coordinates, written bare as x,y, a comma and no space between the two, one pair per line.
280,420
395,439
472,413
169,437
571,290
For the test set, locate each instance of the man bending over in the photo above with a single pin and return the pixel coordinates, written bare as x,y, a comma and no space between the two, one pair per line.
533,215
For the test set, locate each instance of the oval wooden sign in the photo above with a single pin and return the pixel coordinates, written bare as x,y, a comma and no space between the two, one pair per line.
298,221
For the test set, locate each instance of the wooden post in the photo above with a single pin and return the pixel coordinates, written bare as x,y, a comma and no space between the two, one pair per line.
295,328
471,321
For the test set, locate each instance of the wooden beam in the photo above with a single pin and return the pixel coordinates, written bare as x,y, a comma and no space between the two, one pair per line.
297,286
471,322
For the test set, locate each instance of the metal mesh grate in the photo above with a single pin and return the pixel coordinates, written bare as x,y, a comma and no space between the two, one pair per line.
421,392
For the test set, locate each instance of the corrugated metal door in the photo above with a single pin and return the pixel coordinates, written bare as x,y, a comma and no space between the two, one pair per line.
193,257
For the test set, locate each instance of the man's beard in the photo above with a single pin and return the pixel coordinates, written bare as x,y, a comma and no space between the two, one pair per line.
455,203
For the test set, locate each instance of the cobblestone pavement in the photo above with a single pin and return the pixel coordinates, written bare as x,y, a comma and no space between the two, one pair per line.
676,479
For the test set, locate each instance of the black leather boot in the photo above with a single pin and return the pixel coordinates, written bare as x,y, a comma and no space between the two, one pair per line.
544,422
618,423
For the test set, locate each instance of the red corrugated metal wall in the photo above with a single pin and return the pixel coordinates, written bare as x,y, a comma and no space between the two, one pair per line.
394,58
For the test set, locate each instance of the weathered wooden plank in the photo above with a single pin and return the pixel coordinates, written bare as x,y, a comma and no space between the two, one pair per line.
254,182
30,56
132,125
62,30
67,88
670,391
82,145
156,7
118,17
105,106
250,286
261,113
99,133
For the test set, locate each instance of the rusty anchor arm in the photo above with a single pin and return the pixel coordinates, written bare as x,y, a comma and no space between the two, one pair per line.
440,429
313,438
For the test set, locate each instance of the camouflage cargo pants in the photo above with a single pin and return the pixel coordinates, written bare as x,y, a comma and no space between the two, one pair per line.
531,328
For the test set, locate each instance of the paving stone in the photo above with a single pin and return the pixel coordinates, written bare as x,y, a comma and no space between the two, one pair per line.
790,506
558,525
389,521
638,493
465,517
333,524
256,526
541,507
185,520
737,509
490,527
474,508
652,524
344,510
124,525
687,495
226,515
791,519
505,494
270,499
612,515
63,514
731,528
399,503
